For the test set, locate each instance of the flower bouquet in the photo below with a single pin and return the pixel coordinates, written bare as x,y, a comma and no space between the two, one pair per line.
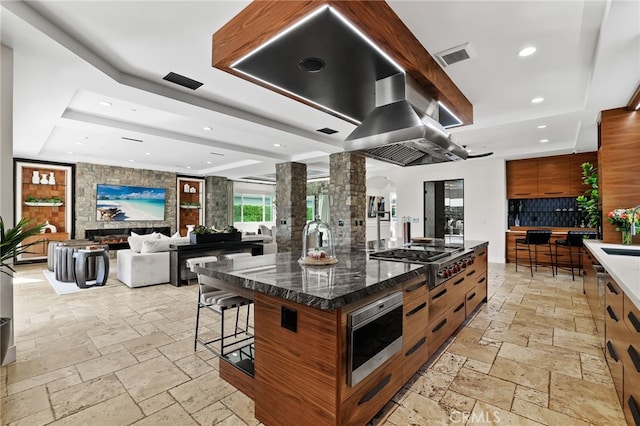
623,220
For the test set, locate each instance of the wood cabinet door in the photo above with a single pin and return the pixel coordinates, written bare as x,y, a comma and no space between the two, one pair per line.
576,185
553,176
522,179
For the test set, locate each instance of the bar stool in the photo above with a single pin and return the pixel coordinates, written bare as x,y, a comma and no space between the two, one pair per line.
535,238
219,301
575,239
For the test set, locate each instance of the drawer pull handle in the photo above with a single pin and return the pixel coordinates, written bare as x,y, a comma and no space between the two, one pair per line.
415,287
472,296
555,192
459,281
416,346
471,273
634,321
612,289
522,193
458,308
634,357
416,309
481,280
612,351
439,295
439,326
612,314
633,407
373,392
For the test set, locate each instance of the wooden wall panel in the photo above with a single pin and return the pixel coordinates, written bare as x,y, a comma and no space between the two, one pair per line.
619,156
296,373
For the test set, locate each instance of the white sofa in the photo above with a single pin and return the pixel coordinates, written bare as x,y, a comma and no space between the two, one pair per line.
147,261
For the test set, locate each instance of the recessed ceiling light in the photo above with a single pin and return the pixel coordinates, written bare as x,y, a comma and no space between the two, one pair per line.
79,143
544,140
537,100
208,162
207,128
527,51
131,161
188,167
104,103
147,153
70,152
277,145
542,126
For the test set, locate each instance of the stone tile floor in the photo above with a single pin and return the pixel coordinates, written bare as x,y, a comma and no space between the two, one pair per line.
119,356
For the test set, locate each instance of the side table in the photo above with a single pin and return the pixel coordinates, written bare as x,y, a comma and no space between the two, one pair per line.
80,258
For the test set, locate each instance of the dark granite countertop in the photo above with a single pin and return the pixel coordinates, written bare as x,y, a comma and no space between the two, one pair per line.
325,287
354,277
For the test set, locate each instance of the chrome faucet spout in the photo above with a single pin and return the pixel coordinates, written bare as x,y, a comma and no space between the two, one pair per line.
633,219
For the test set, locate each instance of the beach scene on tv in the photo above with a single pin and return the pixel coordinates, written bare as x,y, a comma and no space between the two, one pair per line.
119,202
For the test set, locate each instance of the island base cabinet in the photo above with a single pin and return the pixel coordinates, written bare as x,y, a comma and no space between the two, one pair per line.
631,406
360,407
296,372
443,327
415,354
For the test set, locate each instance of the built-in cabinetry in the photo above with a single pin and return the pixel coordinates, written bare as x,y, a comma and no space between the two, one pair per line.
621,336
542,256
618,157
301,374
44,194
547,177
190,202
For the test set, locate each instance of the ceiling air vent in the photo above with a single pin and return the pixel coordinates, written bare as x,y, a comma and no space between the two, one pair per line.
182,81
327,131
455,54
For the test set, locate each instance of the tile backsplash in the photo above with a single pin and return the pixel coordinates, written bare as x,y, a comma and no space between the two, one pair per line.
553,212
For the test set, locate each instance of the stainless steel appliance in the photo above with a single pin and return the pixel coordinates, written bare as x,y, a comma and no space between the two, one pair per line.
375,335
441,263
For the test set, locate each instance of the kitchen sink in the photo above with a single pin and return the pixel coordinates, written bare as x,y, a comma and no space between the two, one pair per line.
622,252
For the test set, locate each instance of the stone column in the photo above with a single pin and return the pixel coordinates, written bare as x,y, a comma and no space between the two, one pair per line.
217,202
291,205
348,203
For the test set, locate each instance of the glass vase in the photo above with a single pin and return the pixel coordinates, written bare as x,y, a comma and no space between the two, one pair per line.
626,237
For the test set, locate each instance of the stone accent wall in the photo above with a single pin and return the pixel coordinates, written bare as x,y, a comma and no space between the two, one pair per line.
217,202
89,175
348,199
291,205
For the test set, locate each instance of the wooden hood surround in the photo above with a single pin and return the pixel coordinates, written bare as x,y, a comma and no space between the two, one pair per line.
262,20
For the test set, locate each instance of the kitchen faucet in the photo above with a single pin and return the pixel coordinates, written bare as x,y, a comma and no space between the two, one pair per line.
633,219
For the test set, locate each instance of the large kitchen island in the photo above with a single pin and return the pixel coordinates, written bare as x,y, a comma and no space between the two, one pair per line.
315,358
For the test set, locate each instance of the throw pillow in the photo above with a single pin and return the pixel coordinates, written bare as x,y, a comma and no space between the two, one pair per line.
135,241
161,244
155,246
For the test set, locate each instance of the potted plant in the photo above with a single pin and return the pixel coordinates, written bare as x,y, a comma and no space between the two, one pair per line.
589,202
11,245
203,234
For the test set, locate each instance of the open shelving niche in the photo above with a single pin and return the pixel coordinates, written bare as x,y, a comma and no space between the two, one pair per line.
46,203
190,203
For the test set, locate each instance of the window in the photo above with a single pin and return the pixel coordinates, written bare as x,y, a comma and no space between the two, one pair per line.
252,208
311,207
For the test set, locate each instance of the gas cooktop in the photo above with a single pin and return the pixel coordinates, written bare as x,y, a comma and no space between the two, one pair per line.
411,255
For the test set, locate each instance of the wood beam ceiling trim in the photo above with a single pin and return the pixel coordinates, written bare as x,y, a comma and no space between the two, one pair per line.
261,20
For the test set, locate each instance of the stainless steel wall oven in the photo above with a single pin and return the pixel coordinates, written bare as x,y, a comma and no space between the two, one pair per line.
375,335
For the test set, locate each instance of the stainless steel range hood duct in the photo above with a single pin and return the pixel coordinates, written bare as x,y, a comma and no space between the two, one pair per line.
403,129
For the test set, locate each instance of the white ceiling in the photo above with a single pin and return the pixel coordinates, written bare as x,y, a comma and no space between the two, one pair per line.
70,55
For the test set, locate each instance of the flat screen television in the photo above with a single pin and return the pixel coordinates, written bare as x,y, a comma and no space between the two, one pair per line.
120,203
